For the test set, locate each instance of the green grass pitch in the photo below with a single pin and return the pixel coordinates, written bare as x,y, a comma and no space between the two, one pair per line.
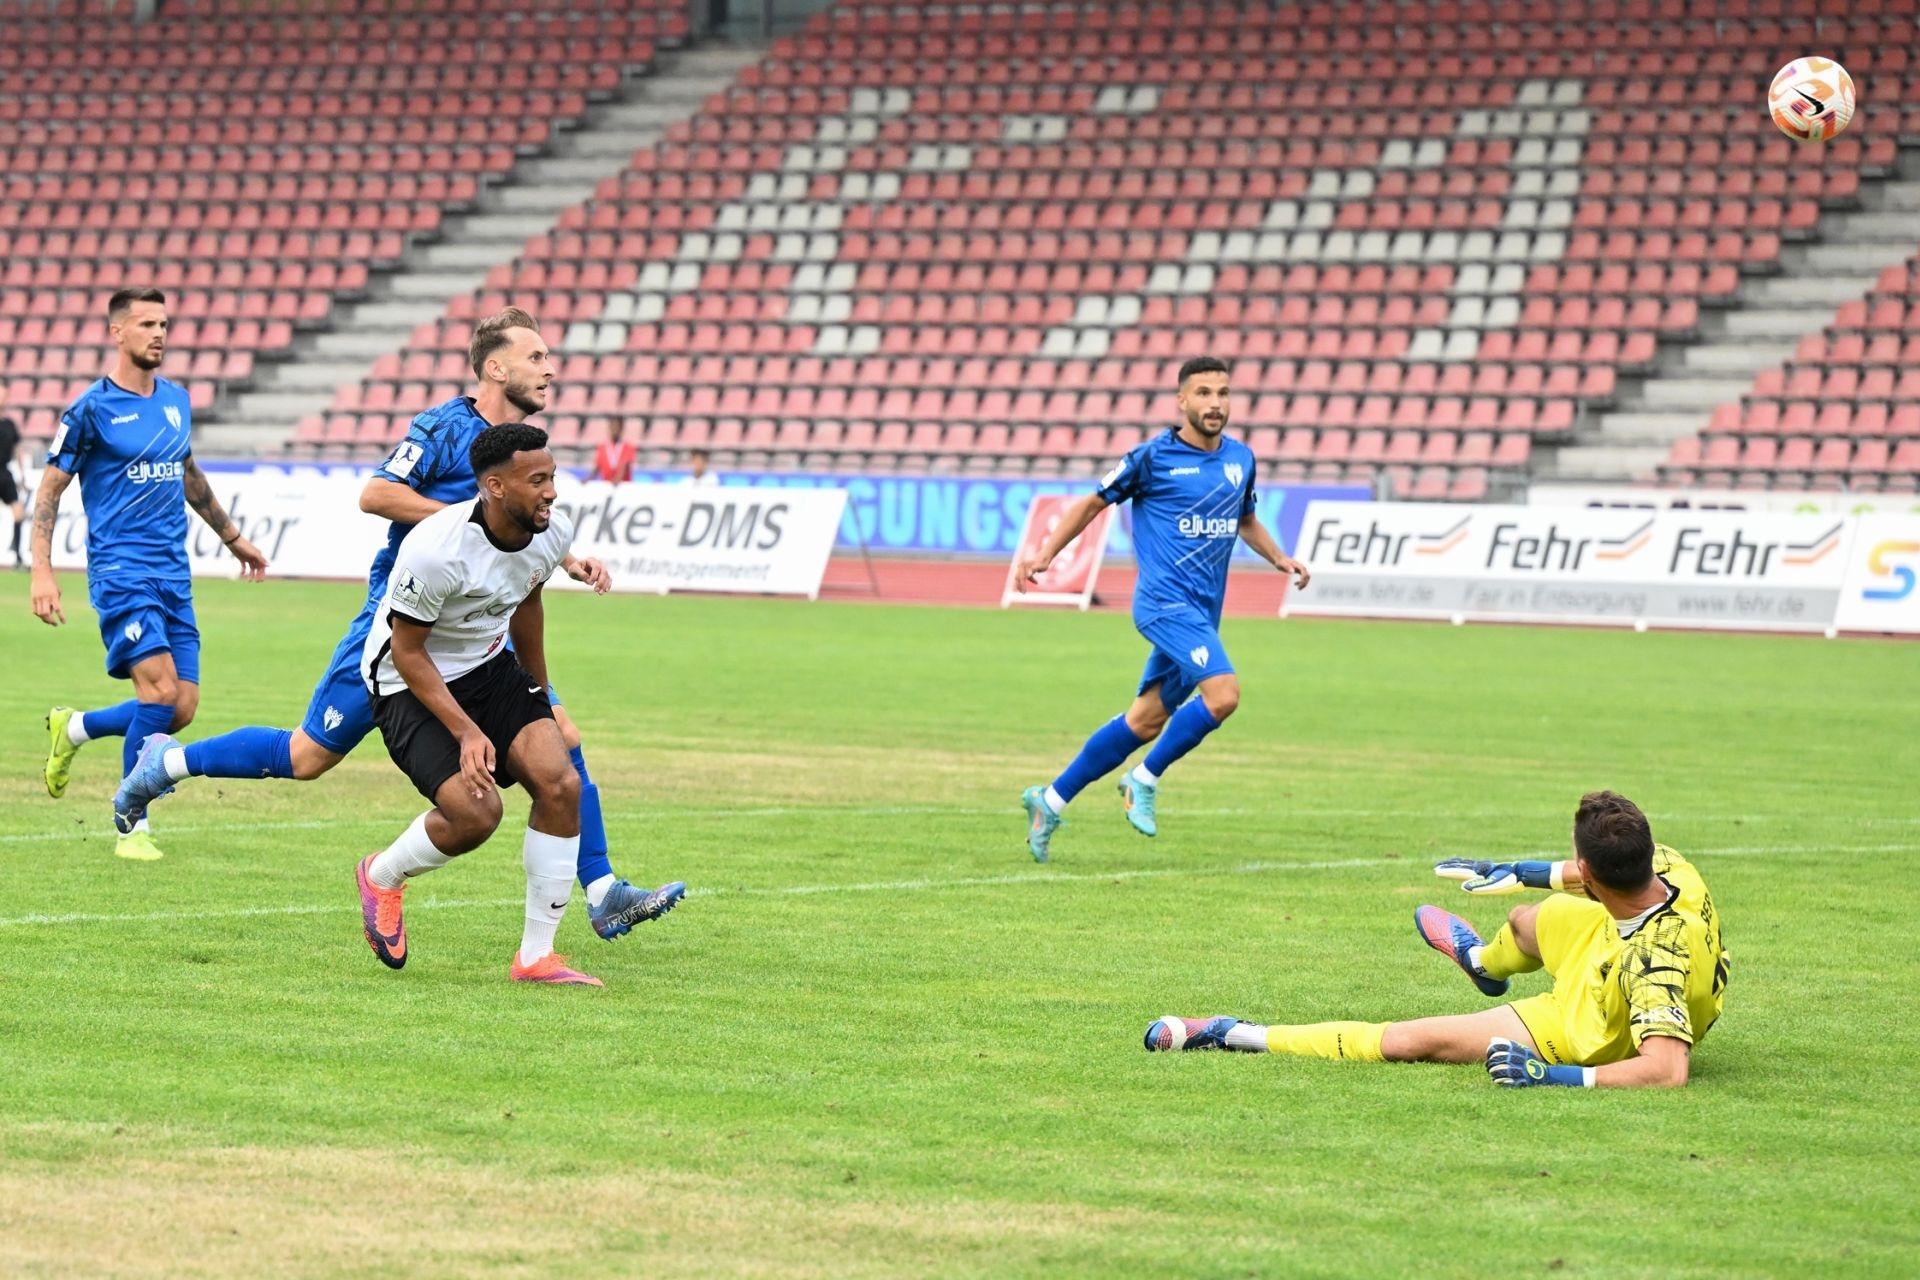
877,1040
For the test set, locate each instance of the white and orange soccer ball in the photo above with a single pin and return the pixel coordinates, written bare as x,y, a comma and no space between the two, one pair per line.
1811,99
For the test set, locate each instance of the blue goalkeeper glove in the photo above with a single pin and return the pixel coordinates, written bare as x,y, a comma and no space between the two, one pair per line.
1496,877
1515,1066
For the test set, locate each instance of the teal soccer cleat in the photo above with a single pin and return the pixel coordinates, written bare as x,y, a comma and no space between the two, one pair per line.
147,783
1042,822
1140,797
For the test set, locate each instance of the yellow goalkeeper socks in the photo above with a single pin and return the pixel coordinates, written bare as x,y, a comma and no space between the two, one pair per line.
1355,1041
1501,956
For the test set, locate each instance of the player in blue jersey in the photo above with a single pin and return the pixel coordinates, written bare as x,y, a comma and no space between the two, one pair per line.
128,438
1192,495
427,471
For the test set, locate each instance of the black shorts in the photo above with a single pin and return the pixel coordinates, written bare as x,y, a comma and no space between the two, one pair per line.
497,695
9,491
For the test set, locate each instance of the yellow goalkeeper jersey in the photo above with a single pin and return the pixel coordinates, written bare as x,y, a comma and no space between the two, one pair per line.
1666,977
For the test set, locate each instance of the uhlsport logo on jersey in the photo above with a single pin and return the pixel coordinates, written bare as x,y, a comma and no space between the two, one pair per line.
173,415
332,718
133,632
1235,473
1199,654
1899,579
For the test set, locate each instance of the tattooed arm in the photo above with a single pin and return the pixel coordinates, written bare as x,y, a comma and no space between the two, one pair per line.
253,565
46,510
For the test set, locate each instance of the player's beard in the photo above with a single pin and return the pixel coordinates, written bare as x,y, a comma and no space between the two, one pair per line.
528,519
142,360
521,396
1198,422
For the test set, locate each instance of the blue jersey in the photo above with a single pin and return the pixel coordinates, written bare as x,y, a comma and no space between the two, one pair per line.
1187,508
130,453
433,461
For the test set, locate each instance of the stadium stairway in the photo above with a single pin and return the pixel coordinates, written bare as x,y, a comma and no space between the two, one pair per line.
522,207
1769,317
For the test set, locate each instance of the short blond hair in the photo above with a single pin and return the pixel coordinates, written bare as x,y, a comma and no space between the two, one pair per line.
491,334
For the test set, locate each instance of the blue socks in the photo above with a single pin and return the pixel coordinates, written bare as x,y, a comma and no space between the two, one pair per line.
253,752
1105,751
1190,723
593,862
148,719
109,722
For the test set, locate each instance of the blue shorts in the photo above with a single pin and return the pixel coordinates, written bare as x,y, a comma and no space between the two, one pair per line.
340,712
1186,650
142,617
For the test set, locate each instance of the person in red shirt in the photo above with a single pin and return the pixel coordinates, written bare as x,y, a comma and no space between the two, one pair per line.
613,460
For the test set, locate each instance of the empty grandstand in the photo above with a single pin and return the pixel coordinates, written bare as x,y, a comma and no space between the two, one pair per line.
1445,245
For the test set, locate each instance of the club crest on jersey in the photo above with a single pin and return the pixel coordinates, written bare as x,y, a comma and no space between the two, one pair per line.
173,415
1199,655
1235,473
331,717
133,632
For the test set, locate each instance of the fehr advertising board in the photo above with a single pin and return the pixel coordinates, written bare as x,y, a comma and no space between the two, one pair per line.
1741,570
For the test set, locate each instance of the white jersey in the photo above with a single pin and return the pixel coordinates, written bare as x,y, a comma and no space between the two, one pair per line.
452,575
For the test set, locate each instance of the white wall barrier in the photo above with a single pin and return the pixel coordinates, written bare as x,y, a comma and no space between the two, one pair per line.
1739,570
1600,494
654,538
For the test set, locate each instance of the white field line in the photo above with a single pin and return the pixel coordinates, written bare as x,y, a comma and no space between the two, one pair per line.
921,885
397,822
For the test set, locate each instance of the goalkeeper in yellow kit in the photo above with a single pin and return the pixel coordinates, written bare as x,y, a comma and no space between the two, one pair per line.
1632,942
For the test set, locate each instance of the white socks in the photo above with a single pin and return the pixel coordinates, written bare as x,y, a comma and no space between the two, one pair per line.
1052,800
550,863
1145,776
411,855
1247,1037
174,761
597,891
77,729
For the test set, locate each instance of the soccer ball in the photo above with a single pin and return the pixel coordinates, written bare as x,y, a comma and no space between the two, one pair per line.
1811,99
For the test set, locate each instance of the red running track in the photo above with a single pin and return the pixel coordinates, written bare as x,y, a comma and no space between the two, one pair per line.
1250,592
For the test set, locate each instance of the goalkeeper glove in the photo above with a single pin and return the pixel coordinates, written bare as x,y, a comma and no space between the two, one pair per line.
1477,876
1515,1066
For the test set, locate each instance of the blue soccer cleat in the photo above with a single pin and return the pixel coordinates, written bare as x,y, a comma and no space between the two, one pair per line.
1454,938
1139,797
1042,822
147,783
626,906
1169,1033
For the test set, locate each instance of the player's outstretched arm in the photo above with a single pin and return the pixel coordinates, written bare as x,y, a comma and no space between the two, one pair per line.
423,679
1073,522
253,565
1661,1064
397,501
1478,875
528,628
590,571
1267,547
46,510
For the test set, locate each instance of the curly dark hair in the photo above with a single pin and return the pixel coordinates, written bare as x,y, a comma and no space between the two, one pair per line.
494,448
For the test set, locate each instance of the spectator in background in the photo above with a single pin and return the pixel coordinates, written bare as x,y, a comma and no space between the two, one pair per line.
613,460
10,445
697,472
